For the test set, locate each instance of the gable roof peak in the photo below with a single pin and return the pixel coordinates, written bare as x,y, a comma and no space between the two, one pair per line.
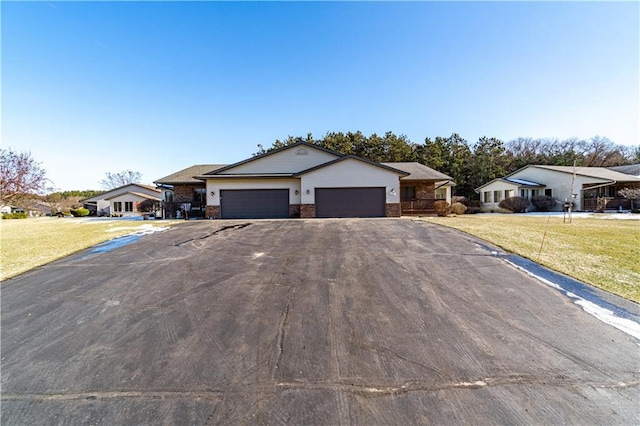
275,151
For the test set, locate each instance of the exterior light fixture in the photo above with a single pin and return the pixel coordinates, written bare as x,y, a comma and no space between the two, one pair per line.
213,193
393,191
308,192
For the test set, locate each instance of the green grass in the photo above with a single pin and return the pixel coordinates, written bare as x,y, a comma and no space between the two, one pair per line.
602,252
28,243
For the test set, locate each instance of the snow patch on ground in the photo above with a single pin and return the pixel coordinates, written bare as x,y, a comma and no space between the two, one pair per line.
140,230
607,316
582,215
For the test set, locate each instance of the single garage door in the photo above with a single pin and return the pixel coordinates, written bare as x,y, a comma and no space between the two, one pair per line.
350,202
254,204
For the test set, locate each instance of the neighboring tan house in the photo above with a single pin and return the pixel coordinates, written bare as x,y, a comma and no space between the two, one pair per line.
421,188
181,189
122,201
33,209
590,188
37,209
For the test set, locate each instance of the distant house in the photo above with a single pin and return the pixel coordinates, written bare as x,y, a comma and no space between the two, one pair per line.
590,188
32,209
122,201
36,209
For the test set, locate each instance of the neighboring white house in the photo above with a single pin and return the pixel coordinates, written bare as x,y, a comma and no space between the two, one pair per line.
590,188
122,201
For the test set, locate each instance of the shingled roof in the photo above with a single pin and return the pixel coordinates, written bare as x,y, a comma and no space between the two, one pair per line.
631,169
595,172
418,171
186,176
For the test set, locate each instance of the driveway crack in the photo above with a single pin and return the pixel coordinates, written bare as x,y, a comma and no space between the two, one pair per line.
216,232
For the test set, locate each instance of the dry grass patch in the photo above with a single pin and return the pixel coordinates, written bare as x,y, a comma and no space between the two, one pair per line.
602,252
28,243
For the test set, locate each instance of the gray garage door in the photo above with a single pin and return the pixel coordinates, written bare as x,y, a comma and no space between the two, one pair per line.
350,202
254,204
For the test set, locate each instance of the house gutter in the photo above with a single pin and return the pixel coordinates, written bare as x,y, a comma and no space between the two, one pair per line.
600,186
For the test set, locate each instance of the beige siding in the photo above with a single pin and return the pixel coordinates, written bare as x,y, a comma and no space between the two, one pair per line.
132,198
497,186
350,173
104,206
291,160
559,183
216,185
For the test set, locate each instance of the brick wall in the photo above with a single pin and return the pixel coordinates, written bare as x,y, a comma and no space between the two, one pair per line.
393,210
294,210
424,201
184,193
213,212
424,190
307,210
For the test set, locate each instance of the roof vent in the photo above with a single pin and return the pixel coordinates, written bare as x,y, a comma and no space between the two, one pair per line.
301,151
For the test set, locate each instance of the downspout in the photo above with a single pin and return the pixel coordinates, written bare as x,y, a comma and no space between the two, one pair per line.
594,187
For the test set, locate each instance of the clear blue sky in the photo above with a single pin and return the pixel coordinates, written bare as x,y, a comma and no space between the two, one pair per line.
92,87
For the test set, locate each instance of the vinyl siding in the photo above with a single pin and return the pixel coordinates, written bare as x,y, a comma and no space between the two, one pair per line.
287,161
348,174
559,183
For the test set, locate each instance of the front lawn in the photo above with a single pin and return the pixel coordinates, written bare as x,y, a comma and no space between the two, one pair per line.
28,243
602,252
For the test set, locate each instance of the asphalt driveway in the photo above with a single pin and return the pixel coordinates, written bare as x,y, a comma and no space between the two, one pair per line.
388,321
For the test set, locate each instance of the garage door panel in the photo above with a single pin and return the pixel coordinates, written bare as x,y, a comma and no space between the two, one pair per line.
254,204
350,202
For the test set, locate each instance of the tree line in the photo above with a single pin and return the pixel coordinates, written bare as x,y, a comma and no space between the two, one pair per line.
473,164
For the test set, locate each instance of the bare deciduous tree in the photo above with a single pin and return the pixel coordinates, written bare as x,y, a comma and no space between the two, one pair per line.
21,177
125,177
630,194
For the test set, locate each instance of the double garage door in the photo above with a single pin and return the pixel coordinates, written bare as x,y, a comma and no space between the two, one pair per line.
350,202
330,202
254,204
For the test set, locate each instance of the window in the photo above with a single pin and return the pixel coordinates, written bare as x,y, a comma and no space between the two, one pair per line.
610,191
200,196
168,196
128,206
523,193
487,196
497,196
441,194
407,193
508,193
117,206
548,192
535,192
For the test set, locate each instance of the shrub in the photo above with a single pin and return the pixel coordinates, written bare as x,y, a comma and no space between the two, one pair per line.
514,204
543,203
458,208
17,215
460,199
442,208
81,212
148,206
